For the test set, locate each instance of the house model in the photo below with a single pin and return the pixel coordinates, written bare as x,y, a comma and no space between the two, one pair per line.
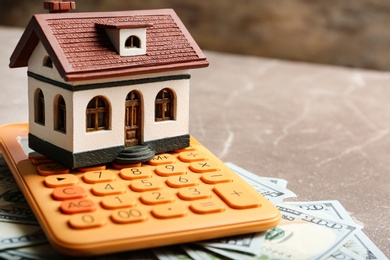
108,86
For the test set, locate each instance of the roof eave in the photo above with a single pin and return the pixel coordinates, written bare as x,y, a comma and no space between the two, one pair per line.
93,75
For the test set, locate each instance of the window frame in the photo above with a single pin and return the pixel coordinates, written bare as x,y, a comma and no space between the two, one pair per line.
60,114
98,114
165,105
39,107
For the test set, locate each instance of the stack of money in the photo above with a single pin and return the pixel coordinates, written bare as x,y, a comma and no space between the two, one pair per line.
308,230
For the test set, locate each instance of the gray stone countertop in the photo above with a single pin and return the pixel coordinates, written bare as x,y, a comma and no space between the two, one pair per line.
324,129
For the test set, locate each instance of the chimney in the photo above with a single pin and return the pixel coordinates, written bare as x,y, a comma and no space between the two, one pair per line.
59,6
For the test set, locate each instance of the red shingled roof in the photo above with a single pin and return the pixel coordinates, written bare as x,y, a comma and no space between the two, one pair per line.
80,48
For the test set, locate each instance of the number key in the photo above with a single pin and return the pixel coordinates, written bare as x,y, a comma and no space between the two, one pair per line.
182,181
157,197
170,169
146,184
193,193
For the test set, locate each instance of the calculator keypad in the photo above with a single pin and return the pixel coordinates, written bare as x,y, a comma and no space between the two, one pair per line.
171,185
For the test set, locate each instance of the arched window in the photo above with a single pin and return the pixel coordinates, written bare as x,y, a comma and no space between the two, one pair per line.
133,42
39,107
165,105
60,114
98,114
47,62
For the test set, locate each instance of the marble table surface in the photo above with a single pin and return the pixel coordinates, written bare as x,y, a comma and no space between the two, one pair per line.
324,129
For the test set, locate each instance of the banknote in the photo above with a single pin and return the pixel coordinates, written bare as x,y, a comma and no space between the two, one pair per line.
273,192
358,246
17,235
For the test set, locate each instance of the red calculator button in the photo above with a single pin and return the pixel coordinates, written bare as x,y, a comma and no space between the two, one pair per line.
77,206
88,220
169,211
52,168
60,180
236,196
69,192
124,216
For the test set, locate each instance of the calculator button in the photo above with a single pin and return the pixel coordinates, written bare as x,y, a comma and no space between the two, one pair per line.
93,168
216,177
207,206
51,168
192,156
69,192
135,173
162,159
146,184
194,193
182,181
110,188
118,201
60,180
186,149
123,216
169,211
170,169
236,196
40,160
205,166
99,176
90,220
157,197
77,206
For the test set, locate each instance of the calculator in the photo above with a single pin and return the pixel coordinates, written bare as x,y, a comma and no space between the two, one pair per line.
182,196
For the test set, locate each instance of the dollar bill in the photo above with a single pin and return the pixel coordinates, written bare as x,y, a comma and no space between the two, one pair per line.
248,243
273,192
358,246
18,235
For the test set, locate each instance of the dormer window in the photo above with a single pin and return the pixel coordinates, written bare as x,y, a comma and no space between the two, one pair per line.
129,39
133,42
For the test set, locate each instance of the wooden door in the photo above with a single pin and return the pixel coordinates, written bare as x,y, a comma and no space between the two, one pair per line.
133,119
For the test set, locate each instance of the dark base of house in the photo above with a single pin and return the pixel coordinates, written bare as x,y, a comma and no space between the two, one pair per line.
100,156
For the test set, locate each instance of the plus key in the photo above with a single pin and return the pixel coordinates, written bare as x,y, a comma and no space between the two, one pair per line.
236,196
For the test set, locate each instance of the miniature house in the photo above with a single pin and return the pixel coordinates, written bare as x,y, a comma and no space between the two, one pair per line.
101,82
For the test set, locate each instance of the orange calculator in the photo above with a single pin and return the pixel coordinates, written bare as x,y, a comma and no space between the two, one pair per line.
182,196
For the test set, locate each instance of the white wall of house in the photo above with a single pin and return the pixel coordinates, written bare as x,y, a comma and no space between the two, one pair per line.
77,139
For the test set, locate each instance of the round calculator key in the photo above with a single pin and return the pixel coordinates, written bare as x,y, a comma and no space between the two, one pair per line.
186,149
164,158
157,197
216,177
77,206
69,192
194,193
60,180
88,220
118,201
169,211
51,169
207,206
146,185
99,176
192,156
135,173
204,166
170,170
38,160
124,216
182,181
109,188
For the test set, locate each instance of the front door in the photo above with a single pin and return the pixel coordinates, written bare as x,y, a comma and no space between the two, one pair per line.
133,119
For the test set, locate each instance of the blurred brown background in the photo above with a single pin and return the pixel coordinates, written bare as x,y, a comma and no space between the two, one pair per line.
352,33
